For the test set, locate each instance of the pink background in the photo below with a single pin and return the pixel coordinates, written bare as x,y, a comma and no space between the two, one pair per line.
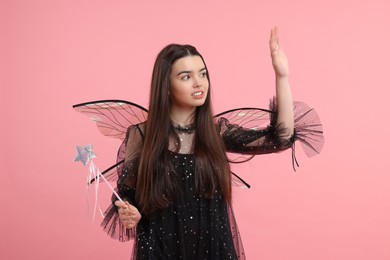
58,53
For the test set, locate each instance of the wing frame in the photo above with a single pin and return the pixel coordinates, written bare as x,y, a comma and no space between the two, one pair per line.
113,116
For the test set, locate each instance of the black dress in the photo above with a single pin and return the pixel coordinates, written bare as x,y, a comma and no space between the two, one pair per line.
194,227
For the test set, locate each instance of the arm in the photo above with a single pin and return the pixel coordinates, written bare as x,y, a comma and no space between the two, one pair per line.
121,218
128,214
279,134
284,101
288,122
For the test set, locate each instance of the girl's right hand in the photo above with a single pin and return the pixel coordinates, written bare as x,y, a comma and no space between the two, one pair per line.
279,58
128,214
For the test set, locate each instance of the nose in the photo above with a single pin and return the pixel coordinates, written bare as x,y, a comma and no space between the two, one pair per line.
197,82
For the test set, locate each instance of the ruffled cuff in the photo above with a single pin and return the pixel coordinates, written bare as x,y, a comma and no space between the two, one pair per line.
307,131
307,127
113,226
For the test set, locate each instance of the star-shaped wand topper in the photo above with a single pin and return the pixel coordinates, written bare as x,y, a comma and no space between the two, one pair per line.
84,154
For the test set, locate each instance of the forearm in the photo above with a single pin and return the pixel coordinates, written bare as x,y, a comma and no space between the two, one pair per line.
285,104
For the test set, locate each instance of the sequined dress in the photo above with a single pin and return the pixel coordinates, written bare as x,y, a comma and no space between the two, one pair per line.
192,227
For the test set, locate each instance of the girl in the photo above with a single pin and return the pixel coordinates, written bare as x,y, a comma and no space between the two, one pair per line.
176,180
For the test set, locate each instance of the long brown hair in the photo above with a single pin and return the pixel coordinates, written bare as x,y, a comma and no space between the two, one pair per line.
156,188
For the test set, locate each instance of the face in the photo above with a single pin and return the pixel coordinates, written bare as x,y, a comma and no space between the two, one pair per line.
189,84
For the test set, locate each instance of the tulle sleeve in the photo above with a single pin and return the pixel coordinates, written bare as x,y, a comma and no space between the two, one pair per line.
273,137
126,183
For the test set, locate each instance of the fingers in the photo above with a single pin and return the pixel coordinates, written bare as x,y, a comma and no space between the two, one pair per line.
127,217
274,41
275,34
130,221
124,211
129,205
120,204
123,205
128,214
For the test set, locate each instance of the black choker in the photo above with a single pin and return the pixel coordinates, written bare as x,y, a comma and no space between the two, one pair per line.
190,128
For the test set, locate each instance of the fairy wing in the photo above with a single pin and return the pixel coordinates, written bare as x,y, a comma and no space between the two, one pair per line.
252,118
307,129
249,118
113,118
307,125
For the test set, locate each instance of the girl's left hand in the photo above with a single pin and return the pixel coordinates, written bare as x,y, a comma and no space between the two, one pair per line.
279,59
128,214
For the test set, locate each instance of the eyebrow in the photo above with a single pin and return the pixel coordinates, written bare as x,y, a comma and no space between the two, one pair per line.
189,71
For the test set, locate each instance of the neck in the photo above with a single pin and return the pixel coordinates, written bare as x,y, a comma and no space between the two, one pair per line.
183,116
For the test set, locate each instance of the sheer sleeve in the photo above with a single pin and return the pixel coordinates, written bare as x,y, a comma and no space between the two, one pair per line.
275,137
126,184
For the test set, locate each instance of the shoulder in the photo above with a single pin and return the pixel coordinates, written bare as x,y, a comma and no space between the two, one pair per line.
135,132
136,129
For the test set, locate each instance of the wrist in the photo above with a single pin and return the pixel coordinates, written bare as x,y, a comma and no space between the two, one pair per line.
281,78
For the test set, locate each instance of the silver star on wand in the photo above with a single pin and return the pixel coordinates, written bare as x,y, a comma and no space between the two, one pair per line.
84,154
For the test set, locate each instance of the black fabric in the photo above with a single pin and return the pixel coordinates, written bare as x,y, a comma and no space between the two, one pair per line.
194,227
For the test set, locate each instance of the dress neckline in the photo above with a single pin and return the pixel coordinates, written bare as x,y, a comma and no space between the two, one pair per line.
183,154
189,128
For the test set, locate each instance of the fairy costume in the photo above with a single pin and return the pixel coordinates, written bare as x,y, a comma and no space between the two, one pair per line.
193,226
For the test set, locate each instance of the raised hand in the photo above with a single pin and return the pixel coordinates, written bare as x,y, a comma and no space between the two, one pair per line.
128,214
279,59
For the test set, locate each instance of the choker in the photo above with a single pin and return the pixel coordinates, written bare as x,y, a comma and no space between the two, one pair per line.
190,128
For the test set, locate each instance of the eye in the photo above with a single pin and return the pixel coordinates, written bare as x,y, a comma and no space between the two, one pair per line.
186,77
203,74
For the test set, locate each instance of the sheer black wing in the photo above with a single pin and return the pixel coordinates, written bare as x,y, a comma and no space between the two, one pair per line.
307,129
113,117
307,125
239,182
249,118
